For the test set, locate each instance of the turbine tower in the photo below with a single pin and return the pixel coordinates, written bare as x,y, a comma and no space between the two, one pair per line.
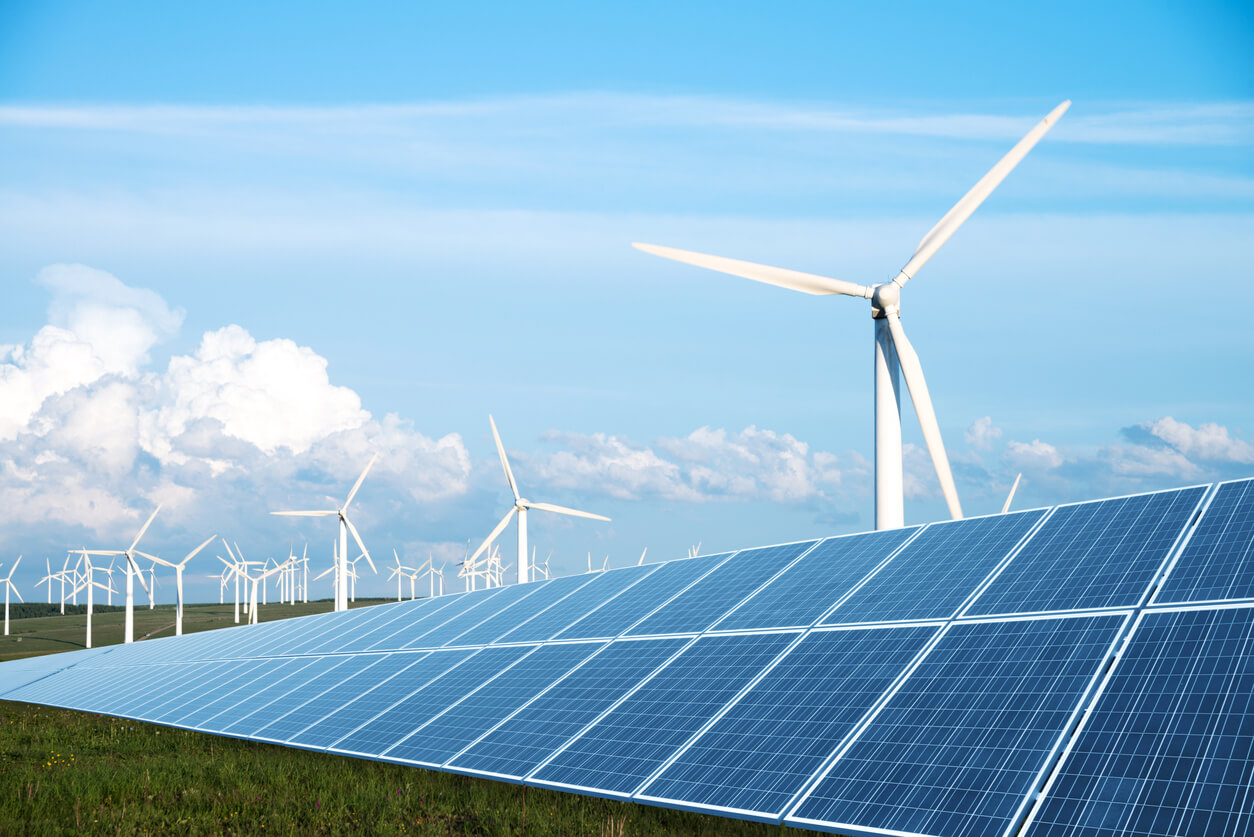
893,352
521,507
10,586
346,526
132,572
178,573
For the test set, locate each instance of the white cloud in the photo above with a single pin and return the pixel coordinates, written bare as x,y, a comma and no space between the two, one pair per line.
981,434
1032,456
1207,442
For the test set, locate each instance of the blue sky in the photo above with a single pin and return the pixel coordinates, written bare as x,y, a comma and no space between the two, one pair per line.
246,247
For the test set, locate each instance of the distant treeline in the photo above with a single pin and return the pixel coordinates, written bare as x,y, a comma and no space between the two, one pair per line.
31,610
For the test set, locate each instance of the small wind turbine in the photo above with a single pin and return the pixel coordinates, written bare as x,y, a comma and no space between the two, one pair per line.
346,526
48,579
10,586
178,579
88,581
893,352
132,572
521,507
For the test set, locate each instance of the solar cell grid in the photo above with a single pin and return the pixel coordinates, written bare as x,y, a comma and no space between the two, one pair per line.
522,742
1092,555
603,587
545,594
382,732
406,631
623,749
808,589
225,682
374,623
270,673
346,705
304,703
760,753
641,599
475,607
450,732
937,571
1168,747
1217,563
705,602
960,745
283,697
400,621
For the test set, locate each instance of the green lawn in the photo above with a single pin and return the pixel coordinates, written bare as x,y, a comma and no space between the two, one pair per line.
70,772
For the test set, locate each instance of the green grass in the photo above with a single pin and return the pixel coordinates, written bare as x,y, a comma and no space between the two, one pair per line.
68,772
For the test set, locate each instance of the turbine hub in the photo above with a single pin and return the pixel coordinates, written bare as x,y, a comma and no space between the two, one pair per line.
883,298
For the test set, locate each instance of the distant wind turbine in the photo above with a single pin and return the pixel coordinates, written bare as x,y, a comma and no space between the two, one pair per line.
893,352
521,507
178,576
133,571
9,585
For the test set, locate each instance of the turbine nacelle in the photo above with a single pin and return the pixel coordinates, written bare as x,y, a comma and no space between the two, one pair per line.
885,298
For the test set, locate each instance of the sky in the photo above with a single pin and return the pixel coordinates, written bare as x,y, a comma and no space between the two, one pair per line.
247,246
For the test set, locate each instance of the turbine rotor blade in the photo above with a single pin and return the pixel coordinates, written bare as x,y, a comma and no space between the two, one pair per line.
912,370
144,528
306,513
1009,497
509,475
961,211
549,507
792,279
500,527
353,492
138,572
192,554
365,552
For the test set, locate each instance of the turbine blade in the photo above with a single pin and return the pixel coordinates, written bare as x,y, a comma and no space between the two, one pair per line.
500,527
147,523
954,218
509,475
792,279
1006,506
549,507
365,552
13,568
353,492
192,554
138,572
912,370
305,513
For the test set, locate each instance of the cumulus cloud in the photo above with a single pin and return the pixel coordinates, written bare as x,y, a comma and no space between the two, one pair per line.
981,434
89,432
1209,442
1032,456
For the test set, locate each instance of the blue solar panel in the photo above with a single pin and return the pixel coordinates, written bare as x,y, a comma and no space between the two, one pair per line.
461,603
603,587
1169,746
808,589
297,689
623,749
222,710
452,731
431,699
521,743
962,743
936,573
641,599
224,683
702,604
760,754
150,699
298,709
1218,561
1091,555
471,617
401,619
547,594
355,702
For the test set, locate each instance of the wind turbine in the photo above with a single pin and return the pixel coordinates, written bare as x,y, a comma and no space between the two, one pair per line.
893,352
48,579
9,585
132,572
89,582
521,507
178,579
346,526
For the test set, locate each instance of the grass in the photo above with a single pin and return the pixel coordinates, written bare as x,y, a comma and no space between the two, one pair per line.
68,772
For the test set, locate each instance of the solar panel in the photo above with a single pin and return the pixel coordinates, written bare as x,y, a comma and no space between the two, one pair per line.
1217,563
1092,555
1169,745
960,745
625,746
937,571
819,579
756,757
854,684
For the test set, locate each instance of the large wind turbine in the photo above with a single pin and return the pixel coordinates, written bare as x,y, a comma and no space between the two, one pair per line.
10,586
132,572
346,526
893,351
521,507
178,575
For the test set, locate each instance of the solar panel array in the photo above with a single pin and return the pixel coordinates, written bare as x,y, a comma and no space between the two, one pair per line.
1085,669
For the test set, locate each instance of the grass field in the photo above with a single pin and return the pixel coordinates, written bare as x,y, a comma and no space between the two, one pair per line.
71,772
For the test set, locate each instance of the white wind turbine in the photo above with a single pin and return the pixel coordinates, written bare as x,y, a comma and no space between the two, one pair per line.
893,351
133,571
10,586
233,568
178,579
346,526
521,507
88,581
47,579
